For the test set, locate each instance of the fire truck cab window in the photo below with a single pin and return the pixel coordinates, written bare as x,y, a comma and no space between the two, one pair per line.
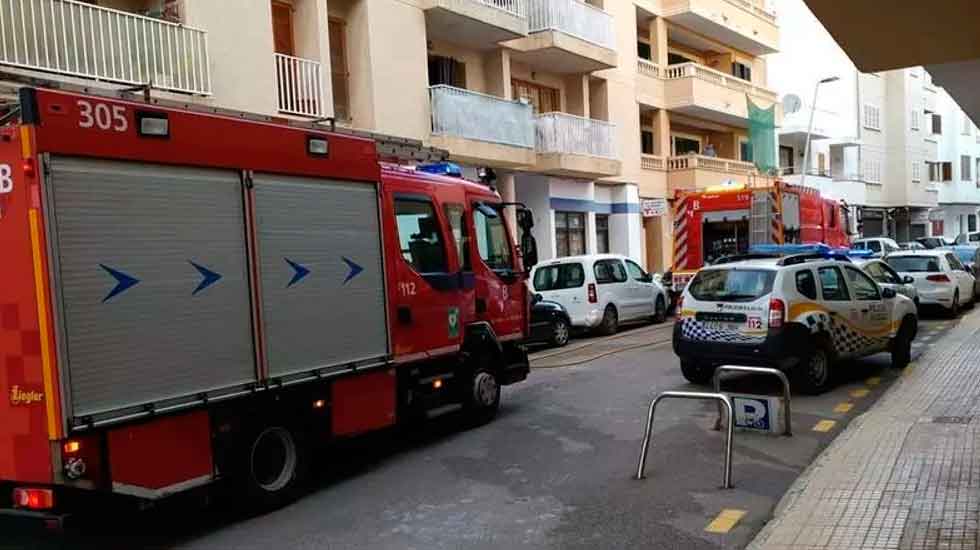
491,239
457,226
420,236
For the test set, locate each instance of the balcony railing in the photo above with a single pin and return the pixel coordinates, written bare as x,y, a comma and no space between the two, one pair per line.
653,162
472,115
300,85
648,68
565,133
701,162
81,40
513,7
574,18
700,72
755,8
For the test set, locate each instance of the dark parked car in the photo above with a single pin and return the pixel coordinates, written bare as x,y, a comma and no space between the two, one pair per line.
549,323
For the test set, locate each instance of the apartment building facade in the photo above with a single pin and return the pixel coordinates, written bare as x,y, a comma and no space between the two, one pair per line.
585,111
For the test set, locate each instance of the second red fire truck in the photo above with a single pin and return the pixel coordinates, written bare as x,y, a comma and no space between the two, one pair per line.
190,296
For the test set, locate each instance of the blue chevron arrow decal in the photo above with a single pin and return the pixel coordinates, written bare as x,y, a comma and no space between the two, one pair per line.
355,269
300,272
124,282
210,277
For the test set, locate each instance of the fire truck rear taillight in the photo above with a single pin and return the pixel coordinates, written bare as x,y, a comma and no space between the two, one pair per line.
777,313
593,297
33,499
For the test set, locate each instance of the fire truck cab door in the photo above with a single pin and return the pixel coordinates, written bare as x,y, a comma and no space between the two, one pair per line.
500,290
426,295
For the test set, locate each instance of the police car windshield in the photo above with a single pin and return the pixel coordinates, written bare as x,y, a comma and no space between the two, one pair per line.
914,264
731,285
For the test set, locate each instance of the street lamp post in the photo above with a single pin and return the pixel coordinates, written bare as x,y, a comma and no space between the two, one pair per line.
809,131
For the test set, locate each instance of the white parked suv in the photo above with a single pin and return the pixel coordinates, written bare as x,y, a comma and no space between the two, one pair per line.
601,290
940,278
800,314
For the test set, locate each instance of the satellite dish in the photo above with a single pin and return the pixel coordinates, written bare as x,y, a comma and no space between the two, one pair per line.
791,103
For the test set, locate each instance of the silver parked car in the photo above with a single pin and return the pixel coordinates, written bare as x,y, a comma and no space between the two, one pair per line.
886,277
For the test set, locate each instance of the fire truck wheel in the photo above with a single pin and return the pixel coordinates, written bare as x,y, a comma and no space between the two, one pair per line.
484,398
610,321
275,463
697,373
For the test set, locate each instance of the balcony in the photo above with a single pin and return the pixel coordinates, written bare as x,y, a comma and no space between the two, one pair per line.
653,176
299,83
699,172
570,145
566,36
482,129
649,83
479,24
80,40
742,24
713,95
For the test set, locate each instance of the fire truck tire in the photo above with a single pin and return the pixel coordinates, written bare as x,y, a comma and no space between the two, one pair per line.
660,310
813,373
610,321
274,464
697,373
483,400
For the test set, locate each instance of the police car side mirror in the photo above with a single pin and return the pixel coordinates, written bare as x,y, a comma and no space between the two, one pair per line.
888,293
908,279
536,298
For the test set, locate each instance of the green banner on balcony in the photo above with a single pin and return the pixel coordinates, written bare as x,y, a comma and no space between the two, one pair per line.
762,137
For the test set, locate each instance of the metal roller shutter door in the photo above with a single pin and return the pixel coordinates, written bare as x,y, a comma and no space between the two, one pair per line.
322,275
141,322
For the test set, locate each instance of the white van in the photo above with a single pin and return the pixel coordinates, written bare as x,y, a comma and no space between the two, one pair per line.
600,290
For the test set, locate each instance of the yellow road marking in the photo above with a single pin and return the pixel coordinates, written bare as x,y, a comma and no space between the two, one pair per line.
858,393
824,425
873,381
725,520
843,407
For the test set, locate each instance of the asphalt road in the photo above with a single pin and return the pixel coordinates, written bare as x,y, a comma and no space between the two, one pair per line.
554,470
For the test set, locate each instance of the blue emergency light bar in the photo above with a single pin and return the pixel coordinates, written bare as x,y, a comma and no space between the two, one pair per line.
442,169
790,249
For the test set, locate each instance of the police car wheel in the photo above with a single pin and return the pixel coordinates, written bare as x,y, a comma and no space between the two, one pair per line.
902,346
697,373
812,375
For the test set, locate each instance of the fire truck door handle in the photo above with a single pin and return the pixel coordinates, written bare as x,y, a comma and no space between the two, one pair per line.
405,315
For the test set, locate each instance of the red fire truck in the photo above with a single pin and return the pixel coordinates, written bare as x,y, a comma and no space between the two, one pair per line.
190,296
724,221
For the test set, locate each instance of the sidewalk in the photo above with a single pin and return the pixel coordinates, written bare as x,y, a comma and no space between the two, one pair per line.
906,475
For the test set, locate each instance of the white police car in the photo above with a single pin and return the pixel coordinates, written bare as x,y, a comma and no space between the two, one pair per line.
801,313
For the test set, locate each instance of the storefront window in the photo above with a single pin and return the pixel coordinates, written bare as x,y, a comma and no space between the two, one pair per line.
602,233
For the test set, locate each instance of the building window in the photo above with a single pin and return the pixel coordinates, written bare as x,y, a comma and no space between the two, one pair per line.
822,164
742,71
542,98
966,166
646,142
971,222
872,117
872,170
937,124
916,171
915,119
339,73
570,233
446,71
282,28
684,145
786,160
643,50
967,125
745,151
947,171
602,233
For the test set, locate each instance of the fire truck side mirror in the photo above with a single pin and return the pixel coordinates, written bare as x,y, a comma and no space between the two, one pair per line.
529,250
525,219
